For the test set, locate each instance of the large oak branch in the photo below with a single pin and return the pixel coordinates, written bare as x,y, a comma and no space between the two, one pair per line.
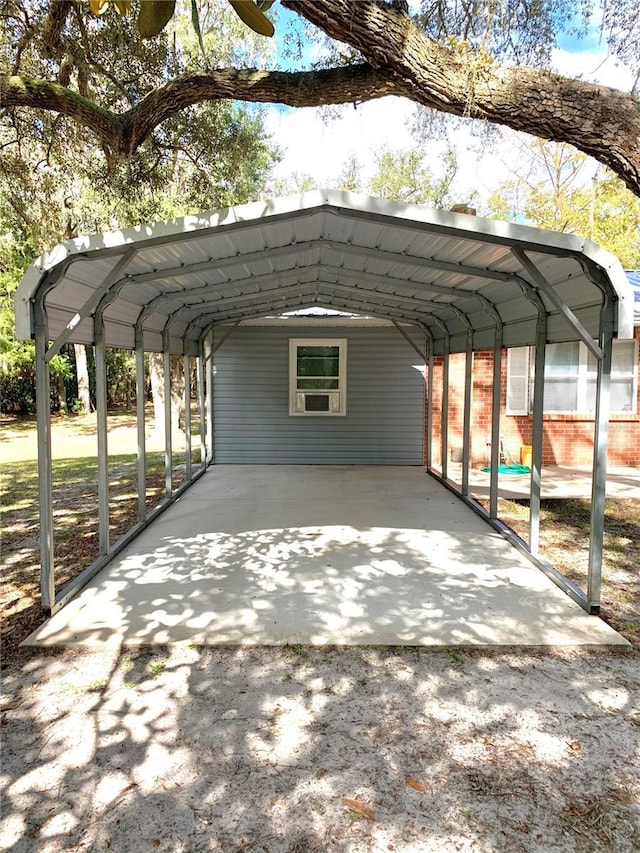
123,133
17,91
602,122
401,60
296,89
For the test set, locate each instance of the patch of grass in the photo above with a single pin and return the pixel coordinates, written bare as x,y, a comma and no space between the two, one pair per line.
94,686
455,656
156,667
75,505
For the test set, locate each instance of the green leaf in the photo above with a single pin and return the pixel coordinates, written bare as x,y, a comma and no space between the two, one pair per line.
251,15
154,16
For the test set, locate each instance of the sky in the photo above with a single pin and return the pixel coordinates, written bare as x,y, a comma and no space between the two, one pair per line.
316,146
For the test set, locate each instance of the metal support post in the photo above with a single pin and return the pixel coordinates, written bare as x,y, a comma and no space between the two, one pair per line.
168,446
201,407
209,398
537,435
101,427
466,421
45,486
429,348
444,414
600,446
140,419
495,423
187,411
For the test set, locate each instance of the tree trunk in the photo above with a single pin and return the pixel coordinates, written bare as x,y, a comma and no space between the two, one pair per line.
62,394
128,391
82,374
156,376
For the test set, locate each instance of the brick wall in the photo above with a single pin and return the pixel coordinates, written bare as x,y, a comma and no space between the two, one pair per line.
567,439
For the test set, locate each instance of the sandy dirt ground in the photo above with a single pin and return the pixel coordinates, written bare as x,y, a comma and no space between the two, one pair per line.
294,750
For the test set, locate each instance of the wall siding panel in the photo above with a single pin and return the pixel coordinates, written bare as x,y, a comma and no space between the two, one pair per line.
384,423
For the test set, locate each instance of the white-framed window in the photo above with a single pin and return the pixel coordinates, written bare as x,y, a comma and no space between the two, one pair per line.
318,376
570,379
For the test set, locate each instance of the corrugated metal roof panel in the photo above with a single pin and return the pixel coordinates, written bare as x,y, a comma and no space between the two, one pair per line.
352,253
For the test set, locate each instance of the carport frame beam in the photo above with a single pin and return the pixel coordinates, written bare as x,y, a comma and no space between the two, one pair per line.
537,434
201,406
495,422
141,459
187,411
208,391
101,429
600,450
466,418
168,440
45,491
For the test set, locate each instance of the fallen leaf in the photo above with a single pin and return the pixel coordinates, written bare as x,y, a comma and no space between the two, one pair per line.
416,784
359,807
155,842
11,706
575,745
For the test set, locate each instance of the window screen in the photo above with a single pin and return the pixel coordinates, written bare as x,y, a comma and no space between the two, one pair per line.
317,376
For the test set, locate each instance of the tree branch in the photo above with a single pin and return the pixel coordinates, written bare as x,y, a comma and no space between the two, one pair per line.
296,89
602,122
401,60
20,91
124,133
54,25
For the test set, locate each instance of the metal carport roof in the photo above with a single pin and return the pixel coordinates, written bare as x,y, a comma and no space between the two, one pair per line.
450,272
467,283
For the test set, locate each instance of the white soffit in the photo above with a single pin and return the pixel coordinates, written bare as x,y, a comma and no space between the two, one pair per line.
448,272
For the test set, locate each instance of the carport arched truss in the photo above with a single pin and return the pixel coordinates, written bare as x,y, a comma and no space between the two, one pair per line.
466,283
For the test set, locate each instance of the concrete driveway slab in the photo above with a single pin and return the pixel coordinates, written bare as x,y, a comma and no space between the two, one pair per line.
322,555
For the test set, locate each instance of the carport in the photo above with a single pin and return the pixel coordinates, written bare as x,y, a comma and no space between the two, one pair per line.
462,283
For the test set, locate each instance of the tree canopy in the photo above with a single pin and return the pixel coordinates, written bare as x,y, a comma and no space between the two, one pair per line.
55,183
481,59
551,188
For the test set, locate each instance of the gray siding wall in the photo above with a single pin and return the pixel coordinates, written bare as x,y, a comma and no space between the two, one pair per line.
384,423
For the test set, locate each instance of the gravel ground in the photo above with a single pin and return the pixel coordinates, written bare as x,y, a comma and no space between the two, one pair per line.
294,750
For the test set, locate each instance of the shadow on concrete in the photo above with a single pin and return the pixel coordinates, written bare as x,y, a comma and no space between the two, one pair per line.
392,558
